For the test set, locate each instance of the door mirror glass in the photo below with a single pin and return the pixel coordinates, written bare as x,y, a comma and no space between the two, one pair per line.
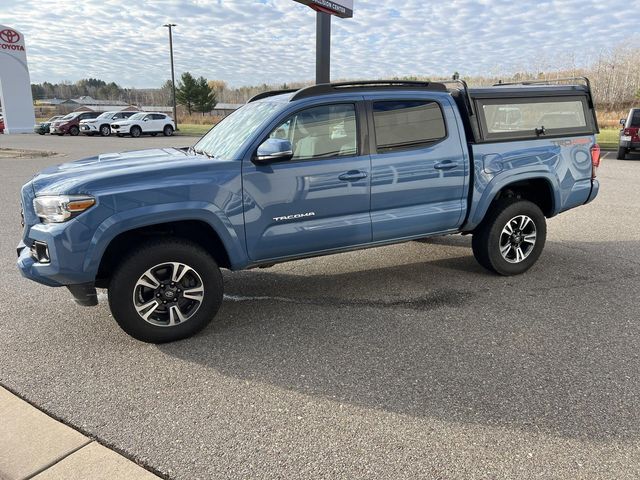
274,150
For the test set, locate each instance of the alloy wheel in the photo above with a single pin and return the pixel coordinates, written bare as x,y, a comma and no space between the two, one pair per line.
168,294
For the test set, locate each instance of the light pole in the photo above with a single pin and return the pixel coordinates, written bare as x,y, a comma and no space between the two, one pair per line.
173,75
323,47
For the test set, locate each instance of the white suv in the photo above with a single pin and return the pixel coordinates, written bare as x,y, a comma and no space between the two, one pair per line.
102,124
143,123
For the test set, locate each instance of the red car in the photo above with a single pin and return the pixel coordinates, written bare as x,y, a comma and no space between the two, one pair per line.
1,125
629,134
71,123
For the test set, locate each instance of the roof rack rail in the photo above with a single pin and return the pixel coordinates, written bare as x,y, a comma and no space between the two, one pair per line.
323,88
271,93
547,82
585,80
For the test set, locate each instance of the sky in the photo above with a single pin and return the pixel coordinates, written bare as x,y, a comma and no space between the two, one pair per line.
250,42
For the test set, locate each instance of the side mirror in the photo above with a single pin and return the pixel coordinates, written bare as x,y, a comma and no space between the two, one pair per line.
623,121
273,150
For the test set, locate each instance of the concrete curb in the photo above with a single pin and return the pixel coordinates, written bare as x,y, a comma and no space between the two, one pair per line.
35,446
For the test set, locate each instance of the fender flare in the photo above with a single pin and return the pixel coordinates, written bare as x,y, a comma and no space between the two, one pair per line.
500,182
128,220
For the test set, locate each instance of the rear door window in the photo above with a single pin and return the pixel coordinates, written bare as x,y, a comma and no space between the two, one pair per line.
506,118
634,119
406,124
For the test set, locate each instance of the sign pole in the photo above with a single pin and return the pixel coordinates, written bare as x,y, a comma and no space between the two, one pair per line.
323,47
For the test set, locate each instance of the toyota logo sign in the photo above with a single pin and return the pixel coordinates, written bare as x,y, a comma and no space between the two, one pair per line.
10,36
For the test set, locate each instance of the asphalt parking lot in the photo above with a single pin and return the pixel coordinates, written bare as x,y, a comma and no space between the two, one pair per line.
407,361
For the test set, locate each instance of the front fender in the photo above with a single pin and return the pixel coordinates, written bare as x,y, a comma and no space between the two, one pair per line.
150,215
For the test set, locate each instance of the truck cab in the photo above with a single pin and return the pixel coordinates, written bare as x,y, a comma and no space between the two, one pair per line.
310,172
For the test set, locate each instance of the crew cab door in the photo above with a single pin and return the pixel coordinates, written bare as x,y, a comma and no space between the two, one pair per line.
319,198
419,166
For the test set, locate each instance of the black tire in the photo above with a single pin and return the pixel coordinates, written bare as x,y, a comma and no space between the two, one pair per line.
167,131
489,237
105,130
41,133
622,153
123,290
135,131
74,131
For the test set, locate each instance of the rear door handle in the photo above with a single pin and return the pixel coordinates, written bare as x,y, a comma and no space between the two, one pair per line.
352,176
446,165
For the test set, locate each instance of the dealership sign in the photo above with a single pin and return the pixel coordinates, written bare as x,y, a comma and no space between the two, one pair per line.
15,83
339,8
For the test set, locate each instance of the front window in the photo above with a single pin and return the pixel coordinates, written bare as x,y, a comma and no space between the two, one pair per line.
225,140
137,116
321,132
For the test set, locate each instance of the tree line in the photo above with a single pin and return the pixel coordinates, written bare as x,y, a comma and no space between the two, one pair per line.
614,75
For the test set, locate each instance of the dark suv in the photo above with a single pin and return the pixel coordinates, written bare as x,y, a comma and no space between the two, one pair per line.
71,123
629,134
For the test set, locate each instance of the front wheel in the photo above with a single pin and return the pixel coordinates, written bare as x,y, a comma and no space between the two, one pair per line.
105,130
165,291
622,153
74,131
511,237
135,131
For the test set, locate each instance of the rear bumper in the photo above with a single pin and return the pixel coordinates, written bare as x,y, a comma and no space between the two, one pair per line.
631,145
595,188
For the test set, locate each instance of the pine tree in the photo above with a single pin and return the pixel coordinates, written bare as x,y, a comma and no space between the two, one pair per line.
206,97
187,91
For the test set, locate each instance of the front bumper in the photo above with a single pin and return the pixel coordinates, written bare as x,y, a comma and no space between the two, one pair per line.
58,129
122,130
88,128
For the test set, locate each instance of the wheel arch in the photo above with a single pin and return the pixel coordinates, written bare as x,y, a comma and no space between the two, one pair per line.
199,223
540,189
196,231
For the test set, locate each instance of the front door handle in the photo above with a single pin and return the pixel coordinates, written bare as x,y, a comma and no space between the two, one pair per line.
352,176
446,165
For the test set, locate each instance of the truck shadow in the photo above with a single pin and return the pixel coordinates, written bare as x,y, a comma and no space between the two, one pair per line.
443,339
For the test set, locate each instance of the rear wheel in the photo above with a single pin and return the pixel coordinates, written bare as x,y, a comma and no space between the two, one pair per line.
167,131
74,131
135,131
511,237
165,290
105,130
622,153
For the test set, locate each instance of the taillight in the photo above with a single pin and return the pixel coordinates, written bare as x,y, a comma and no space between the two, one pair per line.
595,159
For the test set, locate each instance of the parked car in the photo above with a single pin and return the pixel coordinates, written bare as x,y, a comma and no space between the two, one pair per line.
325,169
143,123
629,134
42,128
102,124
71,123
1,125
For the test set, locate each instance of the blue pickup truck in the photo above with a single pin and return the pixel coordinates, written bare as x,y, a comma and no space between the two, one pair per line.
321,170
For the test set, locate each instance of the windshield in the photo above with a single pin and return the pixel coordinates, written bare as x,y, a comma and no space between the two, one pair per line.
137,116
69,117
225,139
105,115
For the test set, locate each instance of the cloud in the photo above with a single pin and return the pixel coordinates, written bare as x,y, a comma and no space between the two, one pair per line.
247,42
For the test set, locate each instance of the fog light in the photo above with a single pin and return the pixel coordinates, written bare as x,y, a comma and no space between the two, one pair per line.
40,252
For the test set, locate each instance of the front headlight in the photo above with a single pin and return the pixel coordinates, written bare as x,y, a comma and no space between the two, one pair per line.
60,208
